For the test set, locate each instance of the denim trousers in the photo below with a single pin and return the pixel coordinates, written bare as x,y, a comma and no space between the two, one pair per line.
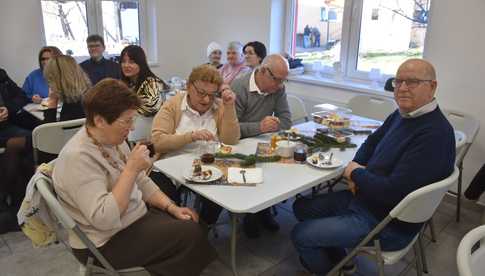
330,223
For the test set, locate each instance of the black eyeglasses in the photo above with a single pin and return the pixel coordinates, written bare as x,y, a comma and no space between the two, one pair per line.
277,80
203,94
410,83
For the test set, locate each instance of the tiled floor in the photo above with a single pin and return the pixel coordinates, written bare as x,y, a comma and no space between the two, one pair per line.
272,254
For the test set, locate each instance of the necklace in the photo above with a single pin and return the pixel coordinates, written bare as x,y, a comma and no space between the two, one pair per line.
106,154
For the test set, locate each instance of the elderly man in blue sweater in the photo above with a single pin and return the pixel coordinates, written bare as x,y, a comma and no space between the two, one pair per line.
414,147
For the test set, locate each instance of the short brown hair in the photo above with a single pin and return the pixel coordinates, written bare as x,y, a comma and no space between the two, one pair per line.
206,73
95,38
108,99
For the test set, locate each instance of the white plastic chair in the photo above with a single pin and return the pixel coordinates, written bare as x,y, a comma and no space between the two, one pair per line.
142,129
417,207
472,262
45,189
470,127
297,109
51,137
372,107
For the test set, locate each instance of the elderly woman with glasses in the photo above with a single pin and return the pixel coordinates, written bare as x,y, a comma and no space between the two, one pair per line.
235,62
104,188
199,114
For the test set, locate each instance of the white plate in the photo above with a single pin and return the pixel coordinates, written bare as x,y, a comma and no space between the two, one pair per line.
216,174
335,163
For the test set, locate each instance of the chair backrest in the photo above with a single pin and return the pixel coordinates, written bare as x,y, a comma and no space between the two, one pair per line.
460,139
471,263
372,107
45,189
421,204
142,129
51,137
297,109
465,123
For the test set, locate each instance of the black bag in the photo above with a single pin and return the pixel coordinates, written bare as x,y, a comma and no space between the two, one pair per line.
477,186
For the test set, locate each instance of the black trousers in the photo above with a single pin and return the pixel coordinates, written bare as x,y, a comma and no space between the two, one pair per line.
160,243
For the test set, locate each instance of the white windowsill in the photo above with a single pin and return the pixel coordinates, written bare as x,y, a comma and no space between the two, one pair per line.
354,86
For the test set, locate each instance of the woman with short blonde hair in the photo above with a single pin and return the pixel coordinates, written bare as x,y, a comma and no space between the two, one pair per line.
67,83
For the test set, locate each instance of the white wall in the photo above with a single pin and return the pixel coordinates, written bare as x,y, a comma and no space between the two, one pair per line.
21,37
186,27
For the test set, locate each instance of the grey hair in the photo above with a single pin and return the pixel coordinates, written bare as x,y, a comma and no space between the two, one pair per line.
235,45
275,60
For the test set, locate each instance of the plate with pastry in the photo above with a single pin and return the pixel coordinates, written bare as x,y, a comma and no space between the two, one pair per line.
202,174
324,161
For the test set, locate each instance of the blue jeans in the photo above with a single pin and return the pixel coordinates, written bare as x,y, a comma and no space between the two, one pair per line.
331,222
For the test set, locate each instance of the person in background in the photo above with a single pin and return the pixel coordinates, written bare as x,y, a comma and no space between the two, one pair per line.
262,107
97,67
16,164
67,84
138,76
235,62
254,53
35,85
104,187
214,53
413,148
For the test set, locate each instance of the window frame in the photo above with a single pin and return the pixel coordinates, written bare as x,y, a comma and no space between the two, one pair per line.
94,18
349,51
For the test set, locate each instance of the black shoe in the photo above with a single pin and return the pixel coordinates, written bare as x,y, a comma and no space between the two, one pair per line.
250,226
268,221
8,222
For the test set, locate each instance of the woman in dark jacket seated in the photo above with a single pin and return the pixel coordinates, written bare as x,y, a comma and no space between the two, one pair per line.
16,166
67,84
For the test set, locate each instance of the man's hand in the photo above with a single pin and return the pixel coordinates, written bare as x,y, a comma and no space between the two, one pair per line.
350,168
36,99
182,213
227,95
202,135
3,113
352,186
269,124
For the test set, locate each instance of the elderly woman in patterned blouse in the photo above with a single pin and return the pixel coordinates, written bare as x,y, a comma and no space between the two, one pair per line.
138,76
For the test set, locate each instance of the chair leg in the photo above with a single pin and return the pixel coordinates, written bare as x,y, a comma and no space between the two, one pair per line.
419,265
379,259
458,196
432,229
423,254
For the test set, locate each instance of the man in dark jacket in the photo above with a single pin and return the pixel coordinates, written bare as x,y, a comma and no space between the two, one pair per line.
97,67
413,148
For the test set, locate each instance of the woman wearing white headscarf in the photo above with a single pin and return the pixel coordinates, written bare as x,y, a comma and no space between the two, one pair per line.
214,53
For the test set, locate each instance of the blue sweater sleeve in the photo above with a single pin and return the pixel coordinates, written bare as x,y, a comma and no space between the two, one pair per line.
28,87
366,150
411,172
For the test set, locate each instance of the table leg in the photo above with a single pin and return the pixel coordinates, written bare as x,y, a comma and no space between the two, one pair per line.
233,242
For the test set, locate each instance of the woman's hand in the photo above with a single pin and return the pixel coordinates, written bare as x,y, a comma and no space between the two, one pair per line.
139,159
3,114
36,99
202,135
227,95
182,213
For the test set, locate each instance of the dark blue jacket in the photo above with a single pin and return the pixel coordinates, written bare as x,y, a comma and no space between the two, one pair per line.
403,155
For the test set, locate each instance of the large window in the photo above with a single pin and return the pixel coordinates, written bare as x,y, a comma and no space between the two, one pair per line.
67,24
363,39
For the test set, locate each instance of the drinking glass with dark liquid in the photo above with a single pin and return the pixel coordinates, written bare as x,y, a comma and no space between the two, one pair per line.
208,152
299,154
150,147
